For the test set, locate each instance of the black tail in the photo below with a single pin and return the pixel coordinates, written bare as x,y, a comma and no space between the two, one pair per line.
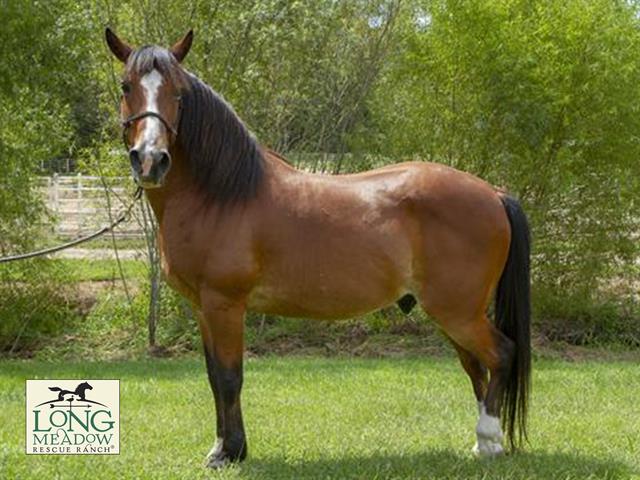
513,312
54,389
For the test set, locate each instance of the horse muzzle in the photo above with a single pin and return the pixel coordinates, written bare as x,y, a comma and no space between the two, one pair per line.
149,167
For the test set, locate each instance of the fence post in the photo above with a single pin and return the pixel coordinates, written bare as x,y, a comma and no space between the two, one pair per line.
56,195
79,203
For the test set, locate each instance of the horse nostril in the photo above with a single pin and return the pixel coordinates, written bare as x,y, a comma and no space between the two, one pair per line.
165,160
134,157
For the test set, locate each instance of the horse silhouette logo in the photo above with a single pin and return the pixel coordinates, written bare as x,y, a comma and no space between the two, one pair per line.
77,395
79,391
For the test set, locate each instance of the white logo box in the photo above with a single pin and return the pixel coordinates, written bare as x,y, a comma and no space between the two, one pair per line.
77,417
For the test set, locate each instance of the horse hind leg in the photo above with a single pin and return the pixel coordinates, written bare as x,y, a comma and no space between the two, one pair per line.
476,371
489,430
484,347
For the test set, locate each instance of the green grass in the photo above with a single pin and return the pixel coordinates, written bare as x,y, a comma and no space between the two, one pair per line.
84,270
340,418
72,270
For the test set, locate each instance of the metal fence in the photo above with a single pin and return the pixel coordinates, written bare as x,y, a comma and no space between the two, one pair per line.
82,204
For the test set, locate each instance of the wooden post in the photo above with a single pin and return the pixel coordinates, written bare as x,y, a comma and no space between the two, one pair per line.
50,200
79,203
56,195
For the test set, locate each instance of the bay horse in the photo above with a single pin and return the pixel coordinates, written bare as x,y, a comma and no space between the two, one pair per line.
241,229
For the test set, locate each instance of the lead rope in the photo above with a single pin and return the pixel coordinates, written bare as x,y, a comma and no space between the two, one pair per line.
46,251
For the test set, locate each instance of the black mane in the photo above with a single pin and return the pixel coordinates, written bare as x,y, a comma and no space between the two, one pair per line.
224,157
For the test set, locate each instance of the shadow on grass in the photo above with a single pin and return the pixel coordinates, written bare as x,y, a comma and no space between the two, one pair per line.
442,464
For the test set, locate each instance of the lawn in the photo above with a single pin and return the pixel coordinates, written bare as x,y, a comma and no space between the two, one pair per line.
340,418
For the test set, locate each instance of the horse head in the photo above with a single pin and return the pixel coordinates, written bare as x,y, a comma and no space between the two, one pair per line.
152,85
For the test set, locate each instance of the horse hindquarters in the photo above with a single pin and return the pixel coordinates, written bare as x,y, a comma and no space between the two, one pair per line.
457,295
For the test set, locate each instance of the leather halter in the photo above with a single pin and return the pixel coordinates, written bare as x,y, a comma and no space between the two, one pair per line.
139,116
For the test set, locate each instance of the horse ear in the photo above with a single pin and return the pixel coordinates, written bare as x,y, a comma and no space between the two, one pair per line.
182,47
120,49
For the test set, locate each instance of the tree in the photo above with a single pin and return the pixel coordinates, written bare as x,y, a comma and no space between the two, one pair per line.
541,98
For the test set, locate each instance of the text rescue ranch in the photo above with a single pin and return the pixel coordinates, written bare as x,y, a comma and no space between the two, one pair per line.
57,434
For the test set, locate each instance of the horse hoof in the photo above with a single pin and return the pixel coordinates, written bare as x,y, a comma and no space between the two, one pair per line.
217,462
220,457
487,449
216,458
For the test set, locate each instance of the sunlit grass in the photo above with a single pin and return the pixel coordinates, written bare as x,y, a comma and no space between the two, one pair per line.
340,418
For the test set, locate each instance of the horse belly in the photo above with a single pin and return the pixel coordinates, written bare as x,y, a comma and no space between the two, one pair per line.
335,285
321,303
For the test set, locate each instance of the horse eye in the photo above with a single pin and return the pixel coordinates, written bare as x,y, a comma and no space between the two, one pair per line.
126,87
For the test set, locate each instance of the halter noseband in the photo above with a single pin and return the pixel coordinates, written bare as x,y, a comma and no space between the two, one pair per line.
138,116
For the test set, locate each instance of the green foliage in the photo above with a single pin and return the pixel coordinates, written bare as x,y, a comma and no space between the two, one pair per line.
586,321
41,105
539,97
32,313
297,72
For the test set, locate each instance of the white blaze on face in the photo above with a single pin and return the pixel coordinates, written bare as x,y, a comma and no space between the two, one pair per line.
150,83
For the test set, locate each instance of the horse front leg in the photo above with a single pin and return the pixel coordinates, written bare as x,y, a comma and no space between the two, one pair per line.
222,325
